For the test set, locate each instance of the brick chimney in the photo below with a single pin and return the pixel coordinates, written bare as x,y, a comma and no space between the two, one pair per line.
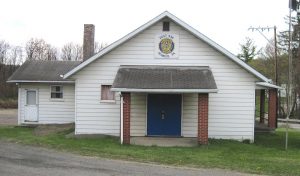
88,41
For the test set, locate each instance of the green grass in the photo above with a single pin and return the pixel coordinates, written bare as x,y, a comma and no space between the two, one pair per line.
257,106
265,156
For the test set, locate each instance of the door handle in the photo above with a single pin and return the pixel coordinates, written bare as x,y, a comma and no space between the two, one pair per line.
162,113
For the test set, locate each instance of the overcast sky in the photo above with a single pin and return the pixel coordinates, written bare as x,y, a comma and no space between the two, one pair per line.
61,21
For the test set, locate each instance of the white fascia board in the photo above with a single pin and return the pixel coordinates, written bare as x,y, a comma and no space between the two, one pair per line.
269,85
218,47
30,81
165,90
184,25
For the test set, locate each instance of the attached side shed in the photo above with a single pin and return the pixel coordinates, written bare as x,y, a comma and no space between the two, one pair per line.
43,96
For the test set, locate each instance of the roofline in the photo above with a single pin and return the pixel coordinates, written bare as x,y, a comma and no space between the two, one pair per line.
165,90
269,85
183,24
32,81
116,44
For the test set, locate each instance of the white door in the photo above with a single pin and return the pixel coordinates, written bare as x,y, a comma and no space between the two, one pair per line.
31,107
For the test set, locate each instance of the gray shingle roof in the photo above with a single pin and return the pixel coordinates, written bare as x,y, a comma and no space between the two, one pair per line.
164,77
33,71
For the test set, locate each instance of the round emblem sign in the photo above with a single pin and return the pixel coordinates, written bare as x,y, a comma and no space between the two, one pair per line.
166,45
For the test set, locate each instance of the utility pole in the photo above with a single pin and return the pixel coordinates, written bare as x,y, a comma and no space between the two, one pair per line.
292,6
261,30
276,59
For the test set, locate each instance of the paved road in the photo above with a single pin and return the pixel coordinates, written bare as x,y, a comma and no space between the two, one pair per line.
8,116
20,160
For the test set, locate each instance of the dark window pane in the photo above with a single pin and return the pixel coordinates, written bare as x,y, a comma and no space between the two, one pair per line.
166,26
56,92
53,95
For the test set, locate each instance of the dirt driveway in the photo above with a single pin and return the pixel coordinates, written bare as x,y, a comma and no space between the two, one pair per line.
8,116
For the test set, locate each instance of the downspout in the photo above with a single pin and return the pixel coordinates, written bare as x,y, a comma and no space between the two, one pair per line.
121,118
19,103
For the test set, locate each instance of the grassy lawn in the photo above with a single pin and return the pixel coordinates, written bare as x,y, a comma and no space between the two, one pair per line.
265,156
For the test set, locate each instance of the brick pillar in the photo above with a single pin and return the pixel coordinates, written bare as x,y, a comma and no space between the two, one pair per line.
203,118
262,106
126,118
272,114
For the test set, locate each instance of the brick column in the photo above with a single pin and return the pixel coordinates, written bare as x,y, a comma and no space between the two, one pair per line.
126,118
262,106
203,118
272,114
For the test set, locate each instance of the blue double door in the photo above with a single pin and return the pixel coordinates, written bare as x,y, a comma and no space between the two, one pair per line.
164,115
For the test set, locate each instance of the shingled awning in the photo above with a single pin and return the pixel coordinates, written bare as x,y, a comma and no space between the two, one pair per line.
43,71
172,79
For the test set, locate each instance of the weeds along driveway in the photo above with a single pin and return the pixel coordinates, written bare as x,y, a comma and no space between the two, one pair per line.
21,160
8,116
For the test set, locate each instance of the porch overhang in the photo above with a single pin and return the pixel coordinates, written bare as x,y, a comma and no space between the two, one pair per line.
165,90
164,79
265,85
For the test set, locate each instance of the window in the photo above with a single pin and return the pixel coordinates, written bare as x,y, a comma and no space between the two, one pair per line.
166,26
56,91
106,94
31,97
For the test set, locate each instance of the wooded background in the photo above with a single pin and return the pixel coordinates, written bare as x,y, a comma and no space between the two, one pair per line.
11,57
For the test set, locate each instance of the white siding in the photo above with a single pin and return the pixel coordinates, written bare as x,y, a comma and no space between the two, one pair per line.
231,110
50,111
189,117
138,114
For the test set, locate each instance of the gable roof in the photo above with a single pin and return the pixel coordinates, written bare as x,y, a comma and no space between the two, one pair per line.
43,71
182,24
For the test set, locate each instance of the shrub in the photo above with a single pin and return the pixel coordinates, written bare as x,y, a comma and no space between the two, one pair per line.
8,103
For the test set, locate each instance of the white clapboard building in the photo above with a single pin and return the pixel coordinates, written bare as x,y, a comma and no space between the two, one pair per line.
164,79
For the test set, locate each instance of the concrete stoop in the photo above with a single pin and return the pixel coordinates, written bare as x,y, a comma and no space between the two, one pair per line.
164,141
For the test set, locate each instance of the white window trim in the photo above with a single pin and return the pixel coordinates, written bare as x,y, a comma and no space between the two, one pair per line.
106,101
57,99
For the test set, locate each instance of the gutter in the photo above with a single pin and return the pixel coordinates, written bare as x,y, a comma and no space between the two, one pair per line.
33,81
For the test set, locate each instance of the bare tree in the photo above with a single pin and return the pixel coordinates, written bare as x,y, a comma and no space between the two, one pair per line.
71,51
9,56
51,53
98,47
15,56
38,49
4,47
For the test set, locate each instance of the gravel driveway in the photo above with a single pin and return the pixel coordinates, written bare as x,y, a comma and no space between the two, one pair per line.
8,116
20,160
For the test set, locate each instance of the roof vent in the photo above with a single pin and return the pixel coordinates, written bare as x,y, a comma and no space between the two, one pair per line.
166,26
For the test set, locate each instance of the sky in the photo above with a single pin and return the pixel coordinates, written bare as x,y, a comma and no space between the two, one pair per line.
61,21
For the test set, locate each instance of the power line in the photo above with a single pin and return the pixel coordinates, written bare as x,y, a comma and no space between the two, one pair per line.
274,45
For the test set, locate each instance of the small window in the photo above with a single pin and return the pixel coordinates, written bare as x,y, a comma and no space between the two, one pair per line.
166,26
56,91
106,94
31,97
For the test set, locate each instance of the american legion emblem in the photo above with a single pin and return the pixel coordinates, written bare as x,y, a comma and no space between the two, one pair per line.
166,46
